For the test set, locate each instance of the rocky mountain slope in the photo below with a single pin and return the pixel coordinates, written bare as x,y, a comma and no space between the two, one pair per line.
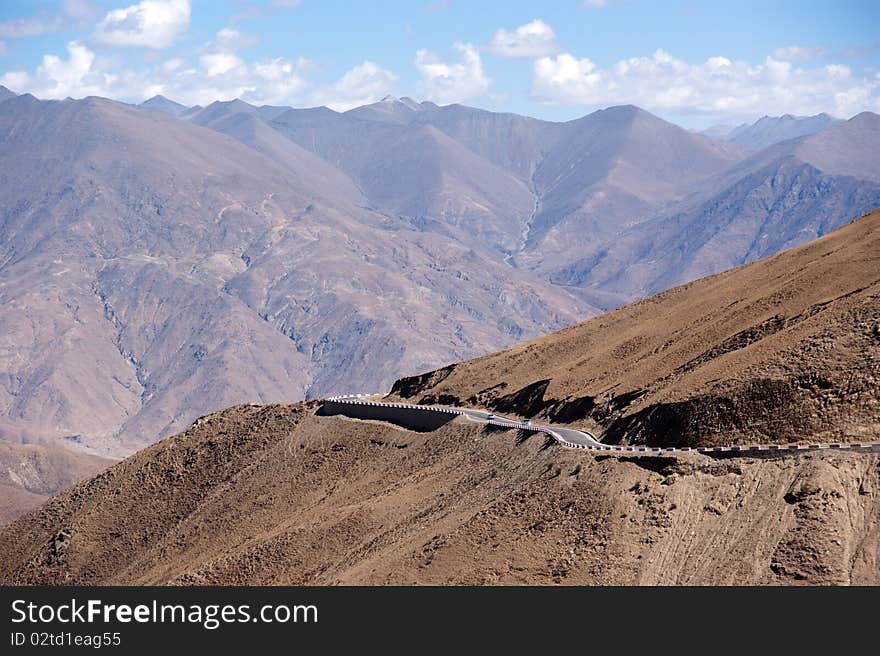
165,106
776,199
152,270
31,473
160,262
785,348
770,130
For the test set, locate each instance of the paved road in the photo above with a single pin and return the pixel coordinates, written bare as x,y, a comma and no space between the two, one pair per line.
575,439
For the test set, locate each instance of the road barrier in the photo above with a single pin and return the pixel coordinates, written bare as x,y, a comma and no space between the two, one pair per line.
403,414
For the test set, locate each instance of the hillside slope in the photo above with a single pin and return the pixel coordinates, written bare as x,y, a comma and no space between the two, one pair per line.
274,495
784,349
30,473
770,130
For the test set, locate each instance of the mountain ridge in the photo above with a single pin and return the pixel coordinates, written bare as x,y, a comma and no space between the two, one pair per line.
340,241
280,494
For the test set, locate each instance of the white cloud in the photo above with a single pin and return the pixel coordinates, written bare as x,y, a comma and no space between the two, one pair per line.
150,23
19,28
215,76
534,39
286,4
228,39
220,63
797,54
448,83
58,78
595,4
717,87
172,65
79,9
363,84
69,13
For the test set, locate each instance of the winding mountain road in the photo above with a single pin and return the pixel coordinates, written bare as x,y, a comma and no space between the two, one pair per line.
575,439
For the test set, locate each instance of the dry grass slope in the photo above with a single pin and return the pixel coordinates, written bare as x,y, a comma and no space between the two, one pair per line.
276,495
785,349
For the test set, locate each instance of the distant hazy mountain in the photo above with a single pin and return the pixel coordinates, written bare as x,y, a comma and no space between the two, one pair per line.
771,130
612,170
718,131
417,171
311,172
164,105
219,110
388,110
152,270
780,197
515,143
5,93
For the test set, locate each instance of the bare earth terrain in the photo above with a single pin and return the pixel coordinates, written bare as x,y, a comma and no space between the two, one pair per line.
274,495
31,473
784,349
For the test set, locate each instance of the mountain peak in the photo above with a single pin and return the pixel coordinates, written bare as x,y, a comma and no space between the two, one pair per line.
165,105
865,117
412,104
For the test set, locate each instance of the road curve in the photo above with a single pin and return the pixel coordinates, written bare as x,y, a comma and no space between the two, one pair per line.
575,439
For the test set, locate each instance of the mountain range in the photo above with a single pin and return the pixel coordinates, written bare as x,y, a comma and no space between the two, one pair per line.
159,262
786,349
769,130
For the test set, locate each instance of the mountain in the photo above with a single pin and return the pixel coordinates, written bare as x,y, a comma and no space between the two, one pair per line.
164,105
312,172
770,130
718,131
152,270
780,197
5,93
417,172
578,202
612,170
222,109
783,349
514,143
530,186
388,110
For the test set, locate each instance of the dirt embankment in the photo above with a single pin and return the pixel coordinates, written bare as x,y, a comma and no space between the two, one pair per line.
276,495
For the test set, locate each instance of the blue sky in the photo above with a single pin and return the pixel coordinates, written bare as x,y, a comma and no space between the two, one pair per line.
695,63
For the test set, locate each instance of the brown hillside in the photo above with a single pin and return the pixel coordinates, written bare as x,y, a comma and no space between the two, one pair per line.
784,349
30,473
277,495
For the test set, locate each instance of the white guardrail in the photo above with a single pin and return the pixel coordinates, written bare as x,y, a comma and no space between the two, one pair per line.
591,444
